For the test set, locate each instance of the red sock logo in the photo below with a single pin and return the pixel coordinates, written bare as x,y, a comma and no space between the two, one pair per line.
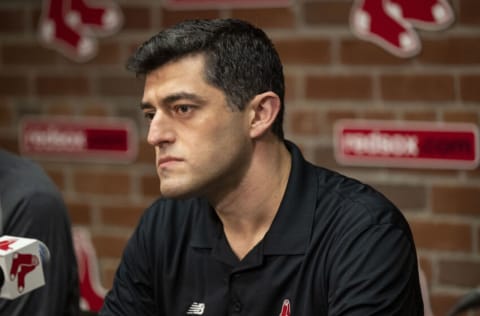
285,308
22,264
71,26
390,23
92,292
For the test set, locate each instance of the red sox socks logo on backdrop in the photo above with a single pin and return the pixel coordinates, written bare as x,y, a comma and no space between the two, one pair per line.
390,23
71,26
92,292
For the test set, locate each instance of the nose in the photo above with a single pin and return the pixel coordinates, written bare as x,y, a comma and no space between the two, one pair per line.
161,131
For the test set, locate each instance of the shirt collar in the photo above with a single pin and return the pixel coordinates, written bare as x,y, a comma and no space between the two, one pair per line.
291,228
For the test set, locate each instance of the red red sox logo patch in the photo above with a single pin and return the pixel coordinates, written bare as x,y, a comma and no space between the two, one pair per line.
391,23
285,308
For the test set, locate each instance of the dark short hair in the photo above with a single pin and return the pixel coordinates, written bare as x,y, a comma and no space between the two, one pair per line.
240,59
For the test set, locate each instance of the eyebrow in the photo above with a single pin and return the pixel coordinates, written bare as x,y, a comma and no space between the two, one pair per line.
175,97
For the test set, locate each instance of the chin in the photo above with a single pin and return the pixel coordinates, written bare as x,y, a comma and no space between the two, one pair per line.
177,192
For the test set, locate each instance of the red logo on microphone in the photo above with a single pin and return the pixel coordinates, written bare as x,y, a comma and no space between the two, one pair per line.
5,244
22,264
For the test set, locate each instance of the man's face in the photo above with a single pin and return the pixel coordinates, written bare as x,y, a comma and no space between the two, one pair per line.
202,146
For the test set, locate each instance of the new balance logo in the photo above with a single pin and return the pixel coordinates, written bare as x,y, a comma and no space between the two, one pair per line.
196,309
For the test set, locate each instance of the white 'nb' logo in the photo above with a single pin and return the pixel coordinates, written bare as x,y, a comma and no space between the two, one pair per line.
196,309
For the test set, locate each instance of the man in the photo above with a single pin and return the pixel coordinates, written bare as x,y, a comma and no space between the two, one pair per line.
32,207
244,224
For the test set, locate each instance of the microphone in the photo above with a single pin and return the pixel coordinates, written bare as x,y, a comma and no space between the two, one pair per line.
21,265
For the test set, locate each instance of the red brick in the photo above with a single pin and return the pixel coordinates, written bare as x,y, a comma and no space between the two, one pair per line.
304,50
120,86
6,115
453,50
60,109
290,88
108,275
359,52
80,213
474,174
150,185
57,176
339,87
405,197
12,20
136,18
422,172
468,12
95,109
417,87
425,265
420,115
61,85
323,156
461,116
334,115
28,54
12,85
171,17
101,182
469,88
478,240
108,54
146,153
464,273
126,216
267,17
456,200
34,16
9,143
305,122
380,114
132,47
327,12
441,235
443,302
109,245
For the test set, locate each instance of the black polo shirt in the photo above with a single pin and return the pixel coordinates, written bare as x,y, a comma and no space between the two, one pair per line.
335,247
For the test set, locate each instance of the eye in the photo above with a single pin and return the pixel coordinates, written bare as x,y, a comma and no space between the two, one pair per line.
149,116
183,109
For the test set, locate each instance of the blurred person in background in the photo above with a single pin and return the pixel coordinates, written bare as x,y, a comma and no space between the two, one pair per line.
244,224
32,207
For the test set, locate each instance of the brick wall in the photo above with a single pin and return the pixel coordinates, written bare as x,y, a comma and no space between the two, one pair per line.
330,75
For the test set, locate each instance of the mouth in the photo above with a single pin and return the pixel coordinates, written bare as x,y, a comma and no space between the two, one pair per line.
167,161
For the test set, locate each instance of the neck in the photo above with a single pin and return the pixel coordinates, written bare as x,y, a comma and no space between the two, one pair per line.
247,212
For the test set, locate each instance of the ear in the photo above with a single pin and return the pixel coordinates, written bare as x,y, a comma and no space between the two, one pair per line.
264,109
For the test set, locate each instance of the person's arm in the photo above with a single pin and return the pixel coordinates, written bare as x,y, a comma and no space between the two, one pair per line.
132,292
374,272
42,215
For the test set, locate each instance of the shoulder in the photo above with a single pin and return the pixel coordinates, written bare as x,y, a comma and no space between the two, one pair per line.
341,204
27,195
354,205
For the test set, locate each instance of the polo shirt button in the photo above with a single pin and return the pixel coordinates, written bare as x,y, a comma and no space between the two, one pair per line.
237,307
